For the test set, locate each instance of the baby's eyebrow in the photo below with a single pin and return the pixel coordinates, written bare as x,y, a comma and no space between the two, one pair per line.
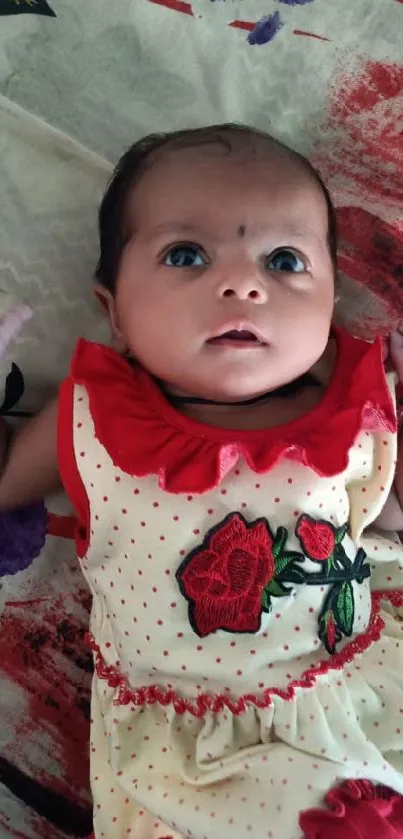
171,227
300,231
177,228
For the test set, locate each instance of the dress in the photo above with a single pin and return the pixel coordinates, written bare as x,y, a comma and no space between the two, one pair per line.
248,651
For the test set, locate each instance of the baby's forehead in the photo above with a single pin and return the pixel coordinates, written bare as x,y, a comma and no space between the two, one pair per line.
250,171
244,150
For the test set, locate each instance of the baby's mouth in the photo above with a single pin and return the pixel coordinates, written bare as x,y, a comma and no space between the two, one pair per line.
238,337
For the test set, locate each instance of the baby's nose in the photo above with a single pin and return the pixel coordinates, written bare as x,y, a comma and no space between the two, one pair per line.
244,288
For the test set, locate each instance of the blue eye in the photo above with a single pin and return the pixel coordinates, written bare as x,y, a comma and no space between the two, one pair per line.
285,260
184,256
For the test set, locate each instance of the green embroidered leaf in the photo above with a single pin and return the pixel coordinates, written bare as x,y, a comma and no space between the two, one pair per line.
286,559
344,611
24,7
279,542
341,532
328,566
266,602
276,589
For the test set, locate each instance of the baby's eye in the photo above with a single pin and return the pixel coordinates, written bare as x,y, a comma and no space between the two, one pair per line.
285,260
184,256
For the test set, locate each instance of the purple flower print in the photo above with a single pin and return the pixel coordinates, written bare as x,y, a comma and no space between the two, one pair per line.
22,537
265,30
295,2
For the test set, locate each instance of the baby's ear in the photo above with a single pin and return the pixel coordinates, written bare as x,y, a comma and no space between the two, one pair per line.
108,303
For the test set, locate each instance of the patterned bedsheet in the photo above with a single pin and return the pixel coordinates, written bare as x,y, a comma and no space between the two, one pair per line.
78,83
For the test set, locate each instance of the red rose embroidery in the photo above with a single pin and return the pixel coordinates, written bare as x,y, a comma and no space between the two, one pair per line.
331,631
223,580
317,538
357,810
242,568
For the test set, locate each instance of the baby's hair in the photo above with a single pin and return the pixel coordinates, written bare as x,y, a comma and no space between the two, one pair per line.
113,223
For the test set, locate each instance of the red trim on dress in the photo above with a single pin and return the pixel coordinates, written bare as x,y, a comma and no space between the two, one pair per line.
69,473
215,703
144,435
62,526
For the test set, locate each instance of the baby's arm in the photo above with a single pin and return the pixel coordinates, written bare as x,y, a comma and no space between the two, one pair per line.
28,457
28,461
391,517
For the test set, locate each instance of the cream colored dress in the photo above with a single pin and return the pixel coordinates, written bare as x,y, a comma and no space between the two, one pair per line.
247,653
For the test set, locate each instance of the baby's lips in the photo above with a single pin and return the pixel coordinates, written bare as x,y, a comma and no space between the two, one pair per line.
239,331
235,335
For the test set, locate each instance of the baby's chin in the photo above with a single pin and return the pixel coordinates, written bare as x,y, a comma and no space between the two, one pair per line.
228,391
236,379
238,385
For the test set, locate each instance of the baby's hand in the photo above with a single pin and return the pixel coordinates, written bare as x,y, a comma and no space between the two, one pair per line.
396,351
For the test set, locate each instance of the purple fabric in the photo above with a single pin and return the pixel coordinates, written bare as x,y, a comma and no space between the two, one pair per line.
22,537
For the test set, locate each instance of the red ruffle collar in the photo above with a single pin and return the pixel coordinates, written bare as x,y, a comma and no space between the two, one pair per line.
145,435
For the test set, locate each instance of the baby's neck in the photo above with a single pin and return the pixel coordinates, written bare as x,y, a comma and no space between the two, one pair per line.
277,408
263,414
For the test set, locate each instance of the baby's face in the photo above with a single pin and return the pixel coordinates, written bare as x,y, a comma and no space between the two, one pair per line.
226,287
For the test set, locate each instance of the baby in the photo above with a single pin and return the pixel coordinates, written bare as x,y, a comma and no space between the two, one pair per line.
231,463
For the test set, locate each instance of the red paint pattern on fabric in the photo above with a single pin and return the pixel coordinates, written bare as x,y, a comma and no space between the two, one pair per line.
204,703
247,25
38,827
11,830
378,82
367,104
15,604
176,5
44,659
311,35
363,169
372,254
